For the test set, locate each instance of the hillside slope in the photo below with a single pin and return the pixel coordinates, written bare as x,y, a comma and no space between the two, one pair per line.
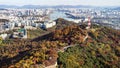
100,49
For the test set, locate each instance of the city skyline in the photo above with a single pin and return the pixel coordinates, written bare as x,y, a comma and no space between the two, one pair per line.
61,2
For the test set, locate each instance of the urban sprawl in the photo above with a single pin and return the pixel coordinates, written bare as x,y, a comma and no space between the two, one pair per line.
20,20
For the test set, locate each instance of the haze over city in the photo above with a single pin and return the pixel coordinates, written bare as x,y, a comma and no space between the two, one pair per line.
61,2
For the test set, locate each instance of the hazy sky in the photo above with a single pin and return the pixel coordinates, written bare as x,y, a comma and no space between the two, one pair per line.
62,2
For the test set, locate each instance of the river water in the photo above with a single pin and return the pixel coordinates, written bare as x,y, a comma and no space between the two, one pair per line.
55,15
114,23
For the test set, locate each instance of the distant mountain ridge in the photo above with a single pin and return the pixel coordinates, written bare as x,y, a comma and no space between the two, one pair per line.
118,8
46,6
8,6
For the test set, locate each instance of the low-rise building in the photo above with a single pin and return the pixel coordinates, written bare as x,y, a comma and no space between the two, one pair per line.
21,33
48,24
4,36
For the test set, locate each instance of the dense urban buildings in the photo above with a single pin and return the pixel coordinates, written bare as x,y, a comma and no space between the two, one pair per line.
44,18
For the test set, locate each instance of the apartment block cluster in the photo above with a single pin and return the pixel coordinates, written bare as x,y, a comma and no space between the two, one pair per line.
29,18
26,17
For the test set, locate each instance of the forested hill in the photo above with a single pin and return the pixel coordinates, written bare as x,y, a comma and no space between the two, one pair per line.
94,48
100,50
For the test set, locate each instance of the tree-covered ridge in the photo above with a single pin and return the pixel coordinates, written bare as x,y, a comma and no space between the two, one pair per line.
70,34
91,56
62,23
27,53
101,48
105,35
